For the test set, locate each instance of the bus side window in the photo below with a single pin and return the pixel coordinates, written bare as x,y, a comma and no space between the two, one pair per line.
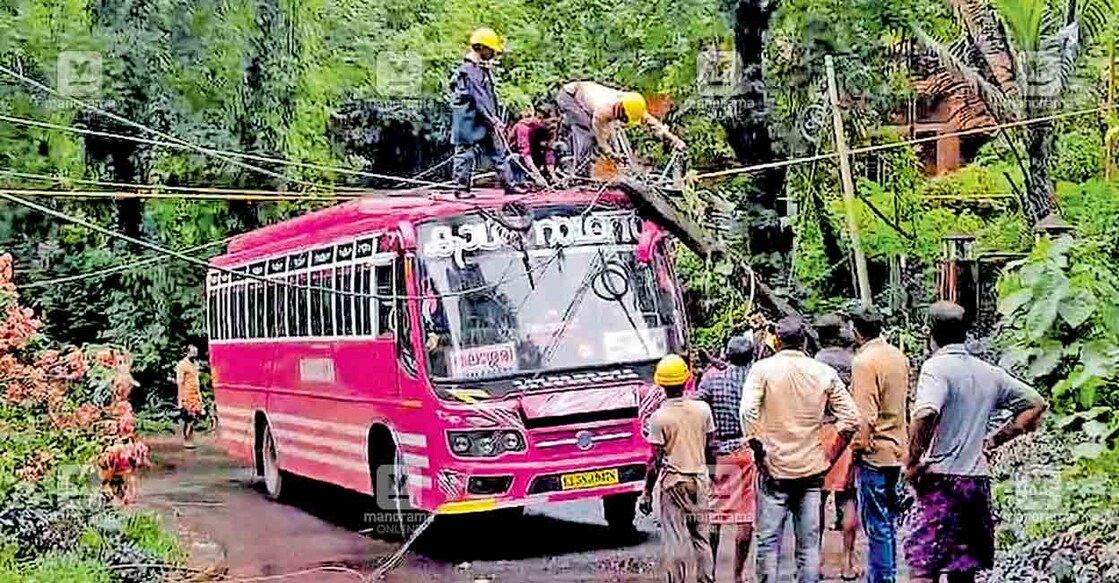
404,350
384,301
344,302
364,315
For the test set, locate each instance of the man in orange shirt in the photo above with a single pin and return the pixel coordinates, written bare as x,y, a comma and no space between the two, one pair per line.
190,394
880,383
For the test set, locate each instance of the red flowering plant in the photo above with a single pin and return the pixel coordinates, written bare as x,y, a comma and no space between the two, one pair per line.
62,409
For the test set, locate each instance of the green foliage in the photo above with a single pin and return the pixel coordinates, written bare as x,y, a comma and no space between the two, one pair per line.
1061,322
146,532
1078,158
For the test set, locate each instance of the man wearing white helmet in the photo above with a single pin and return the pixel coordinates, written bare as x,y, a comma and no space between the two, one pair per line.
593,112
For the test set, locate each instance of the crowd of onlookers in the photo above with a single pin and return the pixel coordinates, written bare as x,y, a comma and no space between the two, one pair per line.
773,431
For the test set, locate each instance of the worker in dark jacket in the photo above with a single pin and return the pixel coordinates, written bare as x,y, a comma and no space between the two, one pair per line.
476,127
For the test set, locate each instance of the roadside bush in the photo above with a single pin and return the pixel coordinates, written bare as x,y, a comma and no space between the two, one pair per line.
1061,322
64,413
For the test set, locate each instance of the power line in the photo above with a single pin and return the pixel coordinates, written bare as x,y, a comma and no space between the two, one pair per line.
245,274
122,194
228,157
200,189
223,153
119,268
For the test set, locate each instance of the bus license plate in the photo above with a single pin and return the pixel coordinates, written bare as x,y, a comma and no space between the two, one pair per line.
589,479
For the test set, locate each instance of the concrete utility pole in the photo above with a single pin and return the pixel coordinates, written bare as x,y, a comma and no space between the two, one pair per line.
1109,142
848,186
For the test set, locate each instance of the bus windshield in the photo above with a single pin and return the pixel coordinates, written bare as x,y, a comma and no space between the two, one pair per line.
507,312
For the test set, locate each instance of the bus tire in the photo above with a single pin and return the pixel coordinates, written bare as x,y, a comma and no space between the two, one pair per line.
408,519
274,478
384,452
620,511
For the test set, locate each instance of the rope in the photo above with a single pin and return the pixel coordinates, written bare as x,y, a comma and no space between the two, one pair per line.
880,147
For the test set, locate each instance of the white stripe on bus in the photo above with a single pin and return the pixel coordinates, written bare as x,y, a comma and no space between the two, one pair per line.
414,461
412,439
227,411
323,458
341,428
419,481
355,448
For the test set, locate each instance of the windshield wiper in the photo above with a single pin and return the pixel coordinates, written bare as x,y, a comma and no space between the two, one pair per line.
572,307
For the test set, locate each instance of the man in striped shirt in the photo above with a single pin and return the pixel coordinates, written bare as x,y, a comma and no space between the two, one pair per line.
733,499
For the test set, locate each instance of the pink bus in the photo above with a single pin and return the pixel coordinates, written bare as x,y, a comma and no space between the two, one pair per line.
447,356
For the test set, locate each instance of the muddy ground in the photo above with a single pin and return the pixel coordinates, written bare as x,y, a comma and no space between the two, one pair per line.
220,508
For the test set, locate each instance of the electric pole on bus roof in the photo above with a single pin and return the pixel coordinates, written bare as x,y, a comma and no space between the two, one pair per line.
848,185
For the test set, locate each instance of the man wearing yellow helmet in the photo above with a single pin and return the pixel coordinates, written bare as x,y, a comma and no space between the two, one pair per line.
682,433
476,127
593,112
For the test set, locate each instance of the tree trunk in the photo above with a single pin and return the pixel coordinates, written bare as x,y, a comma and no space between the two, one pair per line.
748,135
1038,201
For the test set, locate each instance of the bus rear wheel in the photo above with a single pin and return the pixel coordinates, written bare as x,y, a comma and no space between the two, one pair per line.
619,511
274,481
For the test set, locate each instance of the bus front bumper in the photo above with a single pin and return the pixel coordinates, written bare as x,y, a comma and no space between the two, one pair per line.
462,488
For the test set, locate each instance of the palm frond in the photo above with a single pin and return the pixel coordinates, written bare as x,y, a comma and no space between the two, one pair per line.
989,38
1025,21
997,102
1095,17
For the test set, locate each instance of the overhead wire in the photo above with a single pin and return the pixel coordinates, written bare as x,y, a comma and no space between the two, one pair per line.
119,268
181,255
173,188
227,153
227,157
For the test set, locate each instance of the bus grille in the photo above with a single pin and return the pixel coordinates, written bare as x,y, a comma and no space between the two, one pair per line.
626,413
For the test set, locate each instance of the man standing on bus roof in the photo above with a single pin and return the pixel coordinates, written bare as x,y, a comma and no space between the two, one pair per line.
190,394
476,126
593,112
682,433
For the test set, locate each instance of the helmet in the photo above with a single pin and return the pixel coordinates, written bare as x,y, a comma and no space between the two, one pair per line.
487,38
671,371
634,106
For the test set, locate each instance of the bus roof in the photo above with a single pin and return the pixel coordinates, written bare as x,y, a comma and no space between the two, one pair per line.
383,211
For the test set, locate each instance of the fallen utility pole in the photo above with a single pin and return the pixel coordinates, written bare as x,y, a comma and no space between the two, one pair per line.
652,204
848,185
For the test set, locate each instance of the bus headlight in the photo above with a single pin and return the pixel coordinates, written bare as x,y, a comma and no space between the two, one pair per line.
460,444
485,443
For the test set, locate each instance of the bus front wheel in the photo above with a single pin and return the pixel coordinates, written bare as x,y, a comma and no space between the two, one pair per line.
620,510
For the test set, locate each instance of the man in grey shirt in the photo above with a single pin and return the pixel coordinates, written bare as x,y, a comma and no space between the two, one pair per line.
950,528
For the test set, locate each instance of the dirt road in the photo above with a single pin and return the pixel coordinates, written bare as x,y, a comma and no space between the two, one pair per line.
208,494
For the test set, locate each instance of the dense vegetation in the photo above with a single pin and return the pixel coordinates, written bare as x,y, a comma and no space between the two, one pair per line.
345,85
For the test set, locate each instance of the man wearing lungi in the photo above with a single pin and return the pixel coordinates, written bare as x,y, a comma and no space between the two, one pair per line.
682,433
950,528
733,499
